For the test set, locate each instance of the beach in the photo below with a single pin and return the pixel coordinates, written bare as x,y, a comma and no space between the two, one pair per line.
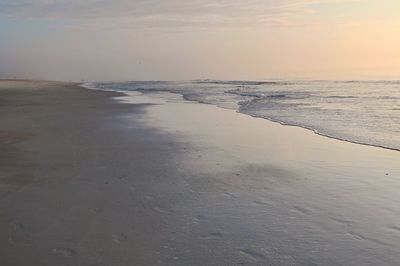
93,177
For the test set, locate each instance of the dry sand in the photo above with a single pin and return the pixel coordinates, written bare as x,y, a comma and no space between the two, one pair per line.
85,180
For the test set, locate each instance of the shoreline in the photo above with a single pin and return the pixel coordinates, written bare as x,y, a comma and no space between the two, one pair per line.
316,132
262,117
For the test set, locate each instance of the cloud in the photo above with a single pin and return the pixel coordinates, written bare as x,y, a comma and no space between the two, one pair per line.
165,13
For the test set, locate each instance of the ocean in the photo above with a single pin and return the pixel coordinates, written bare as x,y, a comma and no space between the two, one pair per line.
364,112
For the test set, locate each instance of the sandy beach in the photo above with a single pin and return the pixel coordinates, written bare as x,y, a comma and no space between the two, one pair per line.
104,178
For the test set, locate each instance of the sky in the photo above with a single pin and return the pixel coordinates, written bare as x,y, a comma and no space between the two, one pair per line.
182,40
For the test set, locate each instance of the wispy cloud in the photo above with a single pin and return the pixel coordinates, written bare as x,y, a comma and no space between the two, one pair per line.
166,13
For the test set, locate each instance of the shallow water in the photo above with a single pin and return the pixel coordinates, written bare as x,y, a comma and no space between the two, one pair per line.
365,112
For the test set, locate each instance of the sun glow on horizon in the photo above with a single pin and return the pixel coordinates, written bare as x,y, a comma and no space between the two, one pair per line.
176,40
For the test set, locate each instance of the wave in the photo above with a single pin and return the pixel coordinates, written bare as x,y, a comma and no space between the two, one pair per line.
384,82
255,94
239,82
316,131
342,97
366,118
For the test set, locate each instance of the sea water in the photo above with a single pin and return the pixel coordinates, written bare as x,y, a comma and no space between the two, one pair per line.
365,112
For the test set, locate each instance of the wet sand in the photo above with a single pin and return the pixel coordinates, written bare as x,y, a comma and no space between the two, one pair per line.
87,180
77,185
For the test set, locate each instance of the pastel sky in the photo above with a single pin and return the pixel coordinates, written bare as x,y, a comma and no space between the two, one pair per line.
181,39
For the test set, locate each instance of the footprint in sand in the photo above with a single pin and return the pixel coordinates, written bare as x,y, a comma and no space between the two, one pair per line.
149,197
342,221
119,238
198,219
66,252
302,210
260,203
22,240
255,256
18,236
394,228
212,236
230,195
17,226
360,237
